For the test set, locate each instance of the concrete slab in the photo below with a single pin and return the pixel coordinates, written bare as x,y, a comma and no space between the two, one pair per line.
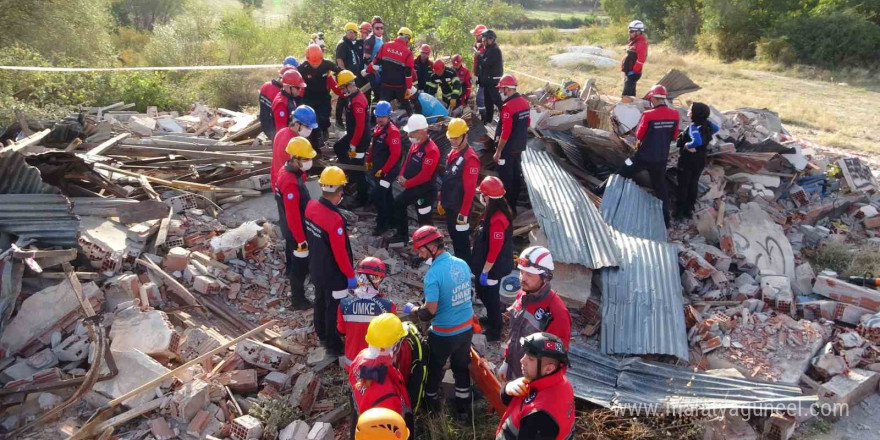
150,332
296,430
847,293
847,390
135,369
752,234
262,355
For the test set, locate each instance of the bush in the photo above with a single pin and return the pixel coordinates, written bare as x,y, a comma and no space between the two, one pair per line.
232,89
833,41
775,50
682,25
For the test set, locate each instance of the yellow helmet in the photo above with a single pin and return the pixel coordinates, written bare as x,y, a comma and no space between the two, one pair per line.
344,77
300,147
350,26
384,331
456,128
405,31
332,176
380,424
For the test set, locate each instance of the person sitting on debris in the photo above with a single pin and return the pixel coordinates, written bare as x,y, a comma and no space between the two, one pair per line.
537,309
356,312
293,197
331,258
383,161
375,381
417,178
302,122
444,80
426,105
493,252
320,82
352,148
636,54
288,98
381,424
692,145
268,91
515,120
657,129
458,187
464,75
449,308
540,405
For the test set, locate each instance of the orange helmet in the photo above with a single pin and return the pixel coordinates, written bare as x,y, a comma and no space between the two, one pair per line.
314,54
366,27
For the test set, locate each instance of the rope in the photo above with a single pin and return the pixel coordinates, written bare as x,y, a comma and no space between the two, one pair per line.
534,77
137,69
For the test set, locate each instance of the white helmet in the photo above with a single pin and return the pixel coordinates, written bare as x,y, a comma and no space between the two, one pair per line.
637,25
536,260
416,122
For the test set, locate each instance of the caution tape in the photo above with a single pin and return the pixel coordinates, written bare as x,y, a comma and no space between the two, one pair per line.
534,77
137,69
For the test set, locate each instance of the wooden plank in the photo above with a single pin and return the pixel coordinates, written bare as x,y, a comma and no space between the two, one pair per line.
106,145
175,285
133,150
27,253
142,211
88,310
29,141
73,145
132,414
151,193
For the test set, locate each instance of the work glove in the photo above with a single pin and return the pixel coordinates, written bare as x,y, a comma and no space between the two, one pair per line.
302,250
502,372
484,279
518,387
378,174
453,103
364,72
630,73
440,209
408,308
352,152
461,223
352,283
368,166
638,144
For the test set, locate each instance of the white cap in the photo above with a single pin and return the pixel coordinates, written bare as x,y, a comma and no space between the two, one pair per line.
416,122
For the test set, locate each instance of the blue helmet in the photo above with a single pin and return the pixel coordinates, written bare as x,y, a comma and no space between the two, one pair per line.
383,108
291,61
306,116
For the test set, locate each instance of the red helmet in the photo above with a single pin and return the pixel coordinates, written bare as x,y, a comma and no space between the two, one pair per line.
285,69
479,29
657,91
492,187
425,49
314,54
439,65
425,235
506,81
372,266
292,78
456,61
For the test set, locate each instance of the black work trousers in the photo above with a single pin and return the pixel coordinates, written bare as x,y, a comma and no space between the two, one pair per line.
629,84
390,93
491,299
511,176
384,200
657,173
456,349
423,197
491,98
461,240
325,319
341,148
297,269
690,168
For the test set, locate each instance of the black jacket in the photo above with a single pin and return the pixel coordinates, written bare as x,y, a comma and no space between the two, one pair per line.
491,66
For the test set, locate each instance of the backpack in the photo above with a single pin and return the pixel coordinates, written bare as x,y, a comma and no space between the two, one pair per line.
412,360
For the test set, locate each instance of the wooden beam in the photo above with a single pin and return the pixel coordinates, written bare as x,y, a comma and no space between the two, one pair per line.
106,145
175,285
88,310
132,414
29,141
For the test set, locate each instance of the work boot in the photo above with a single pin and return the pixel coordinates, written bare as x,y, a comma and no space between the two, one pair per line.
301,303
379,231
433,404
492,335
462,416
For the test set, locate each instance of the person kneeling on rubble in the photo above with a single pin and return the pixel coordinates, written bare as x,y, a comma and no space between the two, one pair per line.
427,105
692,145
540,405
537,309
358,311
374,379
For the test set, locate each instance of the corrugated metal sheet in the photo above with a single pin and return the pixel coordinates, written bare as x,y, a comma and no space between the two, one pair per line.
574,229
46,218
635,384
642,309
17,177
677,84
622,199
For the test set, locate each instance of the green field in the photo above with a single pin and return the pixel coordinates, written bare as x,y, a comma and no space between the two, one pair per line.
549,15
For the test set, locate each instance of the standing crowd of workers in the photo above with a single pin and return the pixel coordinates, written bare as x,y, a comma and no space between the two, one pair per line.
393,371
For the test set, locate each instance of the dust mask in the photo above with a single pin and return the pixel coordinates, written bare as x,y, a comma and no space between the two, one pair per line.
306,165
414,141
305,132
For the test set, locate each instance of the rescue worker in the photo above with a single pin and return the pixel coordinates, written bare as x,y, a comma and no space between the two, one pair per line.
458,187
657,128
515,121
381,424
540,405
352,148
396,64
318,40
302,122
268,91
464,75
330,266
692,145
427,105
449,309
288,98
478,49
349,56
356,312
291,61
636,54
365,29
417,179
318,75
491,68
293,197
372,44
423,67
537,308
445,80
375,381
492,257
383,161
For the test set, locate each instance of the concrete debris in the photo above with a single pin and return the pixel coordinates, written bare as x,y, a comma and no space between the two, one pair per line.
844,292
135,369
196,342
246,427
150,332
263,355
188,400
848,389
296,430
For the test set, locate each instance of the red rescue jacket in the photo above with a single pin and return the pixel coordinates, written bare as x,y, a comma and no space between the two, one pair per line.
551,395
376,383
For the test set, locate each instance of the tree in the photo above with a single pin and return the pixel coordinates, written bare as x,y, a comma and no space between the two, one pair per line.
145,14
252,4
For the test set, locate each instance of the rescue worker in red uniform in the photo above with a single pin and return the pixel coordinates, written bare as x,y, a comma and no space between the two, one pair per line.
268,91
537,309
464,75
292,86
458,187
357,311
318,72
540,405
383,161
352,148
478,49
423,67
293,197
515,122
330,266
302,123
636,54
375,381
396,63
418,177
492,256
656,131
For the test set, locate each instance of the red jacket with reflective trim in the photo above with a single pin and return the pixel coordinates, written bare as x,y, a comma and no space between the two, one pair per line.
515,121
376,383
636,54
356,121
279,153
459,183
542,311
421,163
353,317
465,76
657,129
268,92
282,107
396,61
291,187
551,395
330,253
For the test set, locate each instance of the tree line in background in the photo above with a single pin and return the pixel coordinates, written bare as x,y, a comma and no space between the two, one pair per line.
833,34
